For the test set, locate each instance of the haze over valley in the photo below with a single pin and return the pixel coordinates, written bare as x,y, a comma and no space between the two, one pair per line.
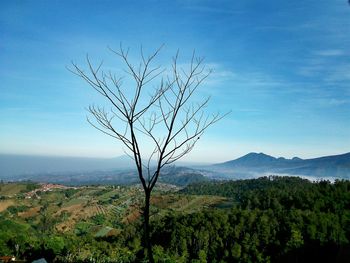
121,170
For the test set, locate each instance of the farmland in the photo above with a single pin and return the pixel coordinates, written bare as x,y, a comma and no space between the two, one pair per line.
100,212
269,219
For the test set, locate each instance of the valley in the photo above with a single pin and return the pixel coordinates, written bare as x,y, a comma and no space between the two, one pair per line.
121,171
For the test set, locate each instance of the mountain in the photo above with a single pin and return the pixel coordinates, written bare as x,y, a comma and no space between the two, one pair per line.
252,159
255,164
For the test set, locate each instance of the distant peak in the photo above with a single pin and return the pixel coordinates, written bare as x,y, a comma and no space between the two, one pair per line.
258,155
255,158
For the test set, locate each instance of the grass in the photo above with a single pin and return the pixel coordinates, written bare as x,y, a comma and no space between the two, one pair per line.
103,231
11,189
5,204
109,195
31,212
73,202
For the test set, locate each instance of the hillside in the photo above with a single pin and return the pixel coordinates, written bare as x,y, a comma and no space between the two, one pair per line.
53,213
269,219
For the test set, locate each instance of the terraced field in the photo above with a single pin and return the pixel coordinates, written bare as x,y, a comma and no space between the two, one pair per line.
98,209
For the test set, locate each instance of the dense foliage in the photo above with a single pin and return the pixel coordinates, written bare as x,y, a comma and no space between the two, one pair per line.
278,193
278,219
270,219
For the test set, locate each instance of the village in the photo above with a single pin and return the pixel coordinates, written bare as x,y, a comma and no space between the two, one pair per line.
46,187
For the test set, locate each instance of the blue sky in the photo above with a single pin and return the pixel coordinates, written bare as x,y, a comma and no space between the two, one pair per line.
281,67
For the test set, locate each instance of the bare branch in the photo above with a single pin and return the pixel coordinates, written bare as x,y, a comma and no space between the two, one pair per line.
168,110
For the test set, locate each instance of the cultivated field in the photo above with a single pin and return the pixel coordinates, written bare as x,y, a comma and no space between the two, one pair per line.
98,209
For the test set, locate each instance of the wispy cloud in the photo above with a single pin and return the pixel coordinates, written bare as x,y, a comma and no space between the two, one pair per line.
330,52
213,7
327,102
256,82
327,72
338,102
295,27
327,65
215,10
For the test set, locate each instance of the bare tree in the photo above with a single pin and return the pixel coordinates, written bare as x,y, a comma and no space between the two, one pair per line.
168,119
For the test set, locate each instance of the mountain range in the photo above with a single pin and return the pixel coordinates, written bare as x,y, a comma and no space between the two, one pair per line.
253,164
120,170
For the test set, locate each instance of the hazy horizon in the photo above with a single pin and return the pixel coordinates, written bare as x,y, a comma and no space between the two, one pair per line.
229,158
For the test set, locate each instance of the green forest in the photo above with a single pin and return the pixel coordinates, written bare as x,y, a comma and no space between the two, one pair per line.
269,219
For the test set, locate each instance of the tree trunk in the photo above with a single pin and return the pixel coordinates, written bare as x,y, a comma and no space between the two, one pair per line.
147,237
